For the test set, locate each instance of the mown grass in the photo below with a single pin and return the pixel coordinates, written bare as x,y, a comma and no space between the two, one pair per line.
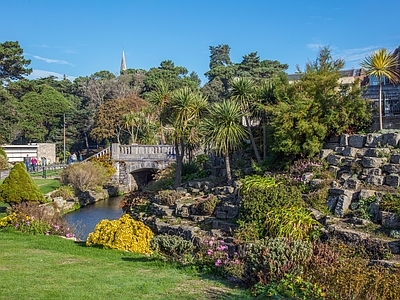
47,185
49,267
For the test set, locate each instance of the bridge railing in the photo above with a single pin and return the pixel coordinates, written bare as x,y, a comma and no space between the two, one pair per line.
106,151
139,152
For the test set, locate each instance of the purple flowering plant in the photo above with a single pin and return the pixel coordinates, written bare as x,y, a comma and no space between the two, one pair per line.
214,256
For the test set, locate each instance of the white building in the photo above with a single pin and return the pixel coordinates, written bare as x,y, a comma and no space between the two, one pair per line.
17,153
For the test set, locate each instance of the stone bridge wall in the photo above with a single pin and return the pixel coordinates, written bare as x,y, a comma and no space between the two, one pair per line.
133,158
364,165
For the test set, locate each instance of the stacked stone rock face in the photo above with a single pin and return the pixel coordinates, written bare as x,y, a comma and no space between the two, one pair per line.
365,166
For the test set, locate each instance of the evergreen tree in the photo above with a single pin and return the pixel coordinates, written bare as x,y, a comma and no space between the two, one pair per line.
19,187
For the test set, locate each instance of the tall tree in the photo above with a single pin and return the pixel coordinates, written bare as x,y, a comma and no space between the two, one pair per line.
382,64
109,121
13,65
8,116
40,113
223,130
243,91
175,76
315,107
220,56
159,98
186,108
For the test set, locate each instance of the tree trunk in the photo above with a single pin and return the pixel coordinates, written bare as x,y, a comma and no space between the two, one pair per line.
380,104
253,142
162,137
178,168
264,127
228,168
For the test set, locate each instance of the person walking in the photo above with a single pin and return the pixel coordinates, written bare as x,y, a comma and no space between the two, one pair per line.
34,164
73,158
27,162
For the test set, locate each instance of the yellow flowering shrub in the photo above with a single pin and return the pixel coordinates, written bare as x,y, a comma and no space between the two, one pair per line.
8,220
123,234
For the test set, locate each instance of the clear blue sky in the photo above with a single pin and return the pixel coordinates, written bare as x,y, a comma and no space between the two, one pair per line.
81,37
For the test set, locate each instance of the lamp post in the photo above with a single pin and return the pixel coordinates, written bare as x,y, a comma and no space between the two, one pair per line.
64,137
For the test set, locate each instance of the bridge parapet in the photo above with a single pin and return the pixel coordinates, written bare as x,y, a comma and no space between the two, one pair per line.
141,152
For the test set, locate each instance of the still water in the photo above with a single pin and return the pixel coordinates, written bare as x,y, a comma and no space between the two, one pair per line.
85,219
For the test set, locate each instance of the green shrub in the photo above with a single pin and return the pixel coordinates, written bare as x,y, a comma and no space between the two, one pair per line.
390,202
172,246
84,176
66,192
19,187
123,234
289,287
259,197
269,259
206,206
168,197
361,208
294,222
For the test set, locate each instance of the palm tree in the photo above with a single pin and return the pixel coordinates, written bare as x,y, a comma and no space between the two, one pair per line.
132,122
264,97
381,64
243,91
186,108
160,98
223,129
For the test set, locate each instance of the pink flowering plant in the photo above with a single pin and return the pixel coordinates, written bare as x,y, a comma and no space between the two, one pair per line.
305,169
32,219
213,256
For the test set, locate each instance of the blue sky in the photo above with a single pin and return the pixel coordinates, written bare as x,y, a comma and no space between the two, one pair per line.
81,37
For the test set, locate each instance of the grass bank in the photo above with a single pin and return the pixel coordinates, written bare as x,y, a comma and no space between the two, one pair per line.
49,267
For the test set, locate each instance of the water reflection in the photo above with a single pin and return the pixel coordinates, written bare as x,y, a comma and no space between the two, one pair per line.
85,219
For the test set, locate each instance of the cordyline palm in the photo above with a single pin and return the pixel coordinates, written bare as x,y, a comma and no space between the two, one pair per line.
381,64
159,98
132,123
264,97
243,91
186,107
223,129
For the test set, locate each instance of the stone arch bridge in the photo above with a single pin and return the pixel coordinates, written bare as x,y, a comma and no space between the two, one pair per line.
135,164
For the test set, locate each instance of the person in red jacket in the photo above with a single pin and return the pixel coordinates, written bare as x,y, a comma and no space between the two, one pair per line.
34,164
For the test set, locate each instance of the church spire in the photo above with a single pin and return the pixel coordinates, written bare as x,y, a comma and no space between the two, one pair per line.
123,63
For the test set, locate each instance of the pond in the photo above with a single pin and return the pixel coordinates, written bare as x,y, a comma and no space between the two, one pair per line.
85,219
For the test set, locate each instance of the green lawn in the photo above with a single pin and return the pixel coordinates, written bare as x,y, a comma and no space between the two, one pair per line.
49,267
47,185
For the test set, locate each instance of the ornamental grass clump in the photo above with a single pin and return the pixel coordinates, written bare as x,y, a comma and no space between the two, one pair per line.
294,222
122,234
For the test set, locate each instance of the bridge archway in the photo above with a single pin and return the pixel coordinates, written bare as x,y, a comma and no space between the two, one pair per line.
142,177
